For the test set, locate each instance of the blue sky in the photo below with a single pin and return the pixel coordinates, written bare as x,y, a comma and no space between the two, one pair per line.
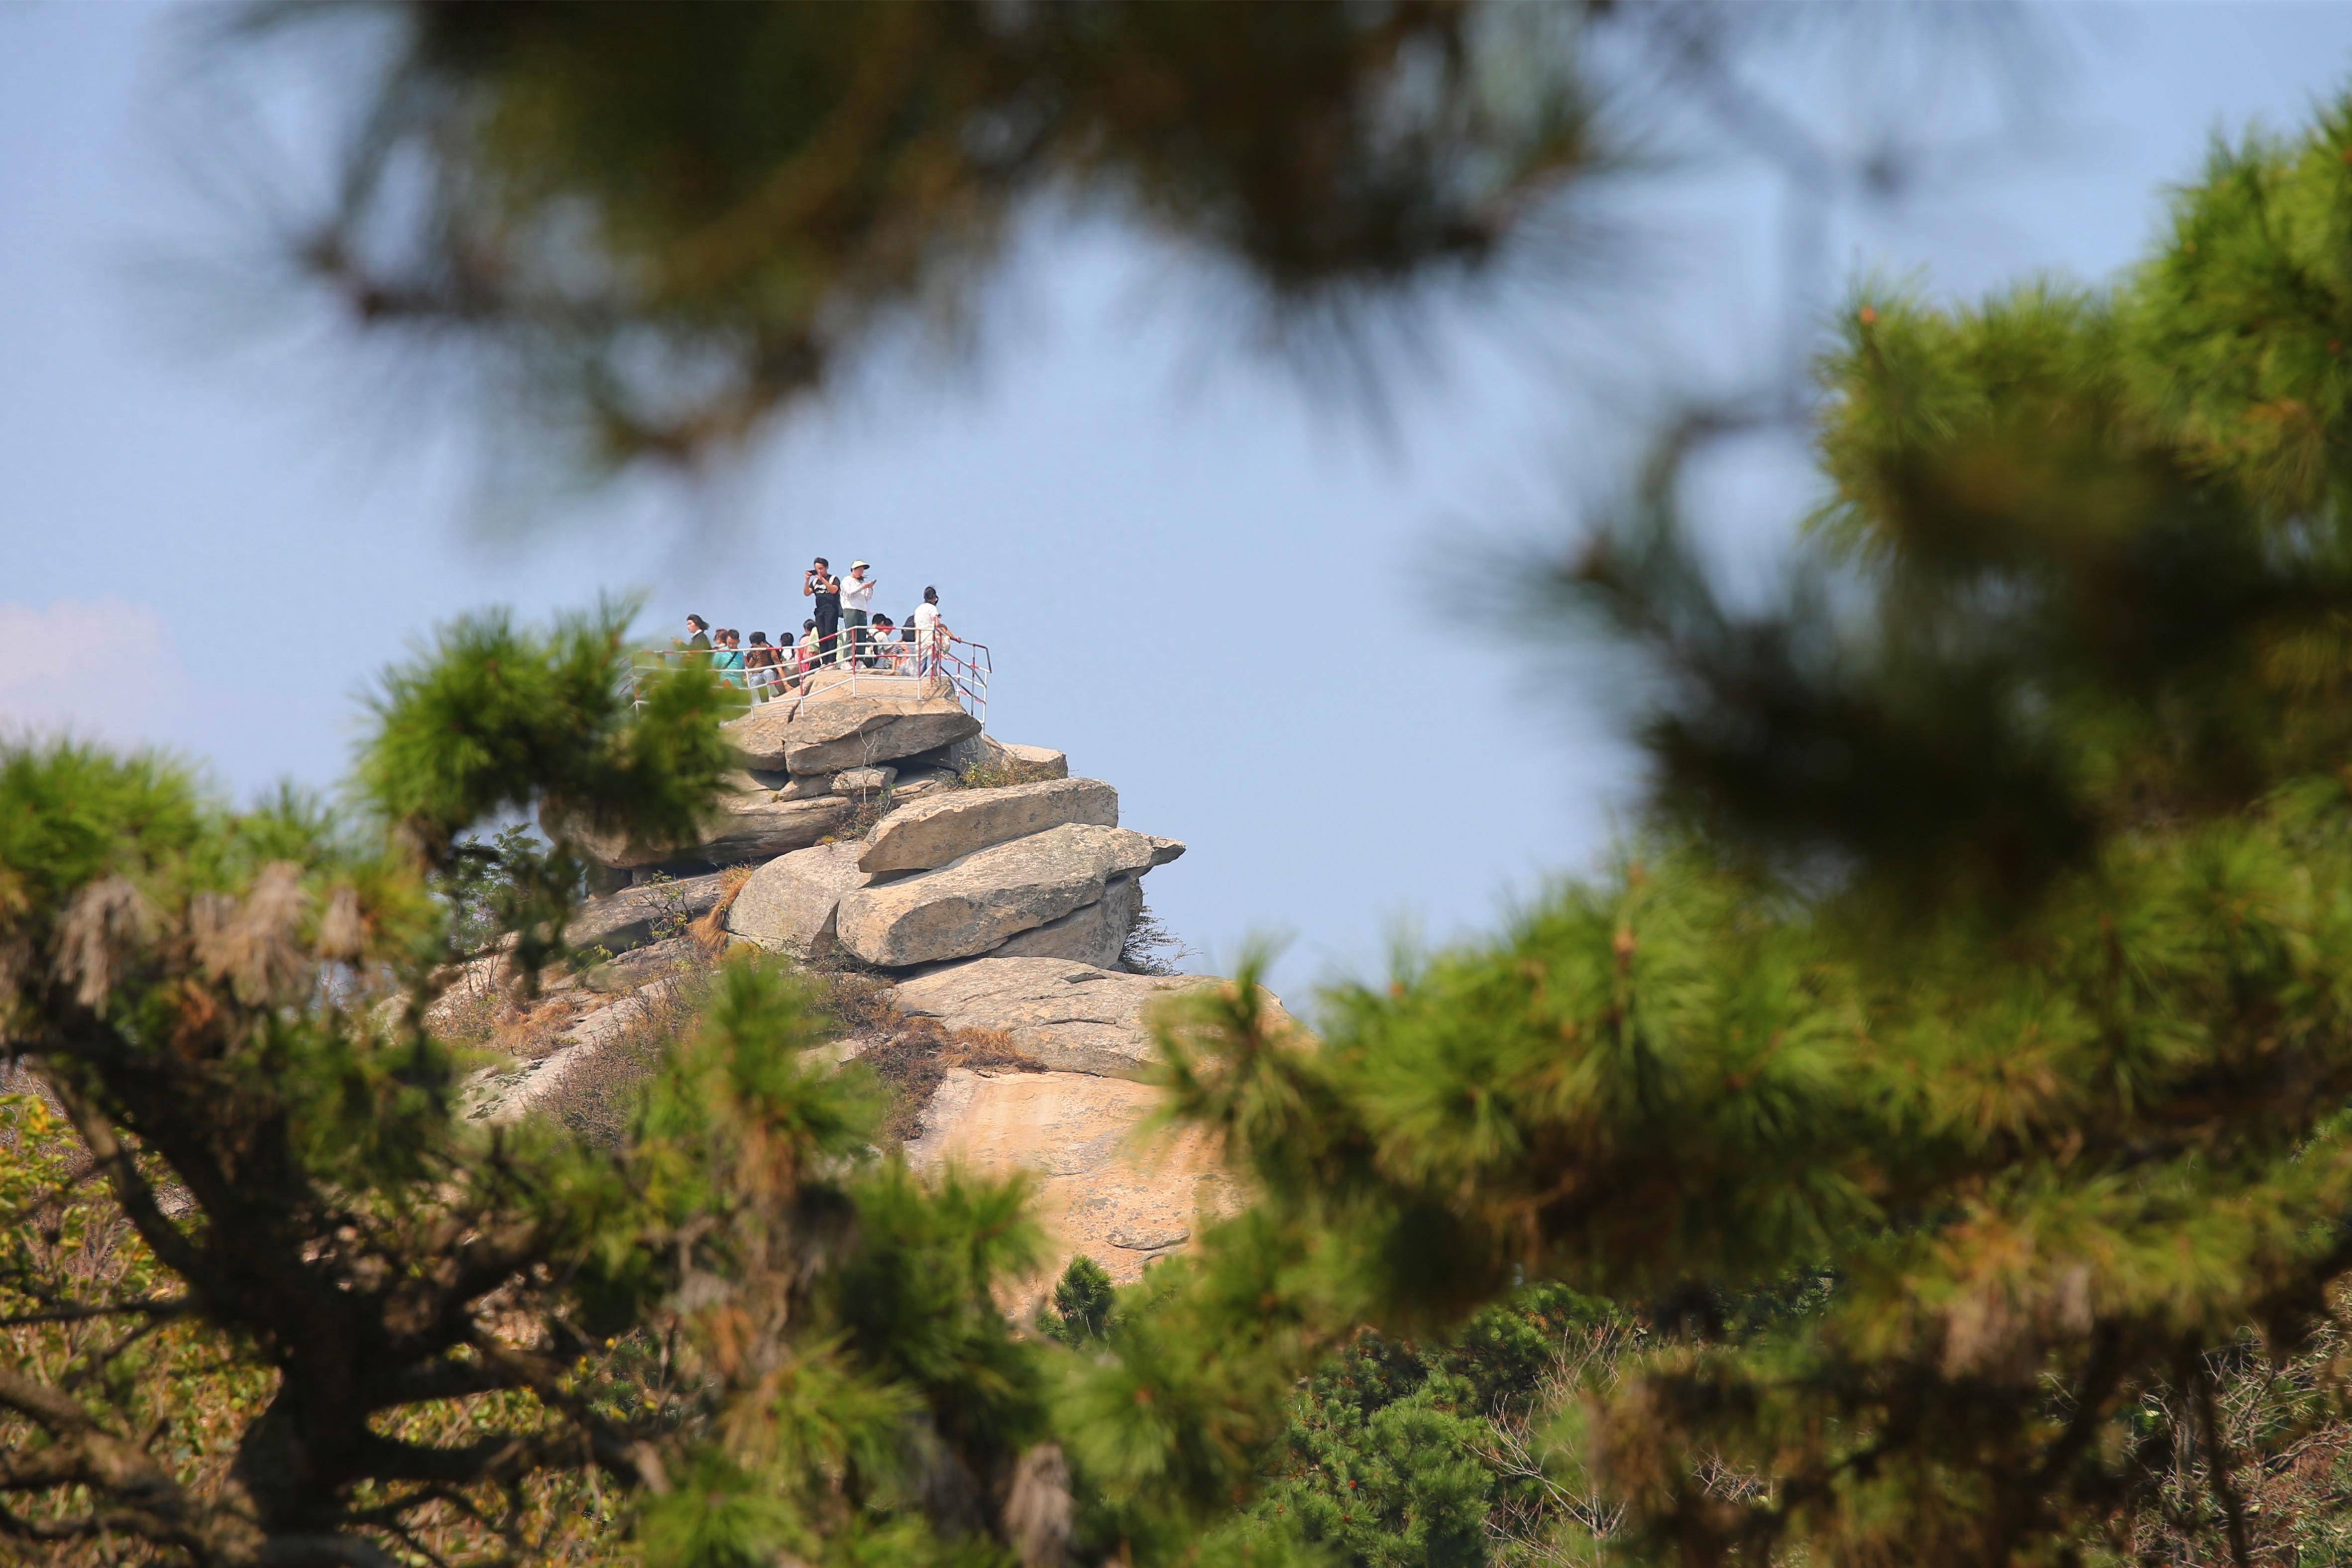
1274,624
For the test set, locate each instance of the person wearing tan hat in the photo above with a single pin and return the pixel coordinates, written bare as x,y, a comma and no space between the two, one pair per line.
856,597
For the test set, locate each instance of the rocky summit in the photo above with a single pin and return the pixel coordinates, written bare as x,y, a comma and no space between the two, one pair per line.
989,895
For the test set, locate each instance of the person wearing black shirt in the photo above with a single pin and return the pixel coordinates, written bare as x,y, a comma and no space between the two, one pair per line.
819,584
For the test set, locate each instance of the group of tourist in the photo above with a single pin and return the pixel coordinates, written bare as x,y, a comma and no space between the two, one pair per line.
842,629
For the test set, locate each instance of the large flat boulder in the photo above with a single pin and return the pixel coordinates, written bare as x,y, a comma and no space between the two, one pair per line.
1096,934
788,904
748,825
1006,763
635,916
1105,1187
953,824
828,733
1071,1016
970,905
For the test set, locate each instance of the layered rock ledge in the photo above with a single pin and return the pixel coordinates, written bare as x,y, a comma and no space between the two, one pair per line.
996,895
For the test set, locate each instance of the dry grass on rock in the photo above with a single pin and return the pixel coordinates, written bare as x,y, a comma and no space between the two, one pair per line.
598,1098
911,1055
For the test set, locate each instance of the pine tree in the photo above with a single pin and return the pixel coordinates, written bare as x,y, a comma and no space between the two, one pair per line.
268,1296
1977,997
667,223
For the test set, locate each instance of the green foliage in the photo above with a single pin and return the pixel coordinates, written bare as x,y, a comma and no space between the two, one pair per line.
1081,1304
1958,1072
485,885
748,196
1930,1142
1401,1485
1397,1455
496,722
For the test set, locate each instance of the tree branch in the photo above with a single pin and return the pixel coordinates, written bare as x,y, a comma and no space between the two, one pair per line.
323,1551
170,1244
2217,1463
154,1307
440,1379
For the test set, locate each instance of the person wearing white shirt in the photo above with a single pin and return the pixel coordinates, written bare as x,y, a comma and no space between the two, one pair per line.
931,635
856,596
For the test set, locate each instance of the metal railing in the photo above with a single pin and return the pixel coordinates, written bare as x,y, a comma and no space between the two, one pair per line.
934,667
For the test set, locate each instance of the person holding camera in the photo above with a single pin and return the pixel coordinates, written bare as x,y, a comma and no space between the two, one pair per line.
818,583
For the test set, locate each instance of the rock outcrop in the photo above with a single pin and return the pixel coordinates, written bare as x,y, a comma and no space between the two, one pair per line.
996,891
826,734
635,916
942,829
1096,934
788,904
985,754
748,825
973,903
1069,1016
1104,1187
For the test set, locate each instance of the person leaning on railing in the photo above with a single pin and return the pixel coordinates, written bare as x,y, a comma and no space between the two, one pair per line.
931,635
729,660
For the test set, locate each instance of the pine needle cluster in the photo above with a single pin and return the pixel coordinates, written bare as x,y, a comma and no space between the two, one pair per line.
1984,964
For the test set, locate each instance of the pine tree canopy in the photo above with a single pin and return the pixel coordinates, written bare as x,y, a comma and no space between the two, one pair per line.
1987,958
1952,1080
666,222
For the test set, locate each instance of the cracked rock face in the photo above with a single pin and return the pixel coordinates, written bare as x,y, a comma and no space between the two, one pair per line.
748,825
1104,1187
1107,1186
830,734
946,826
788,904
1073,1017
1094,935
972,904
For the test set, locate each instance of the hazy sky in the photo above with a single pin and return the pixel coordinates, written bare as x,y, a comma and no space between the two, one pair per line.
1269,619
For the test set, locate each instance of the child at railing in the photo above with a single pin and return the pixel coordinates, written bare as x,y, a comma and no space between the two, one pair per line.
891,656
804,657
